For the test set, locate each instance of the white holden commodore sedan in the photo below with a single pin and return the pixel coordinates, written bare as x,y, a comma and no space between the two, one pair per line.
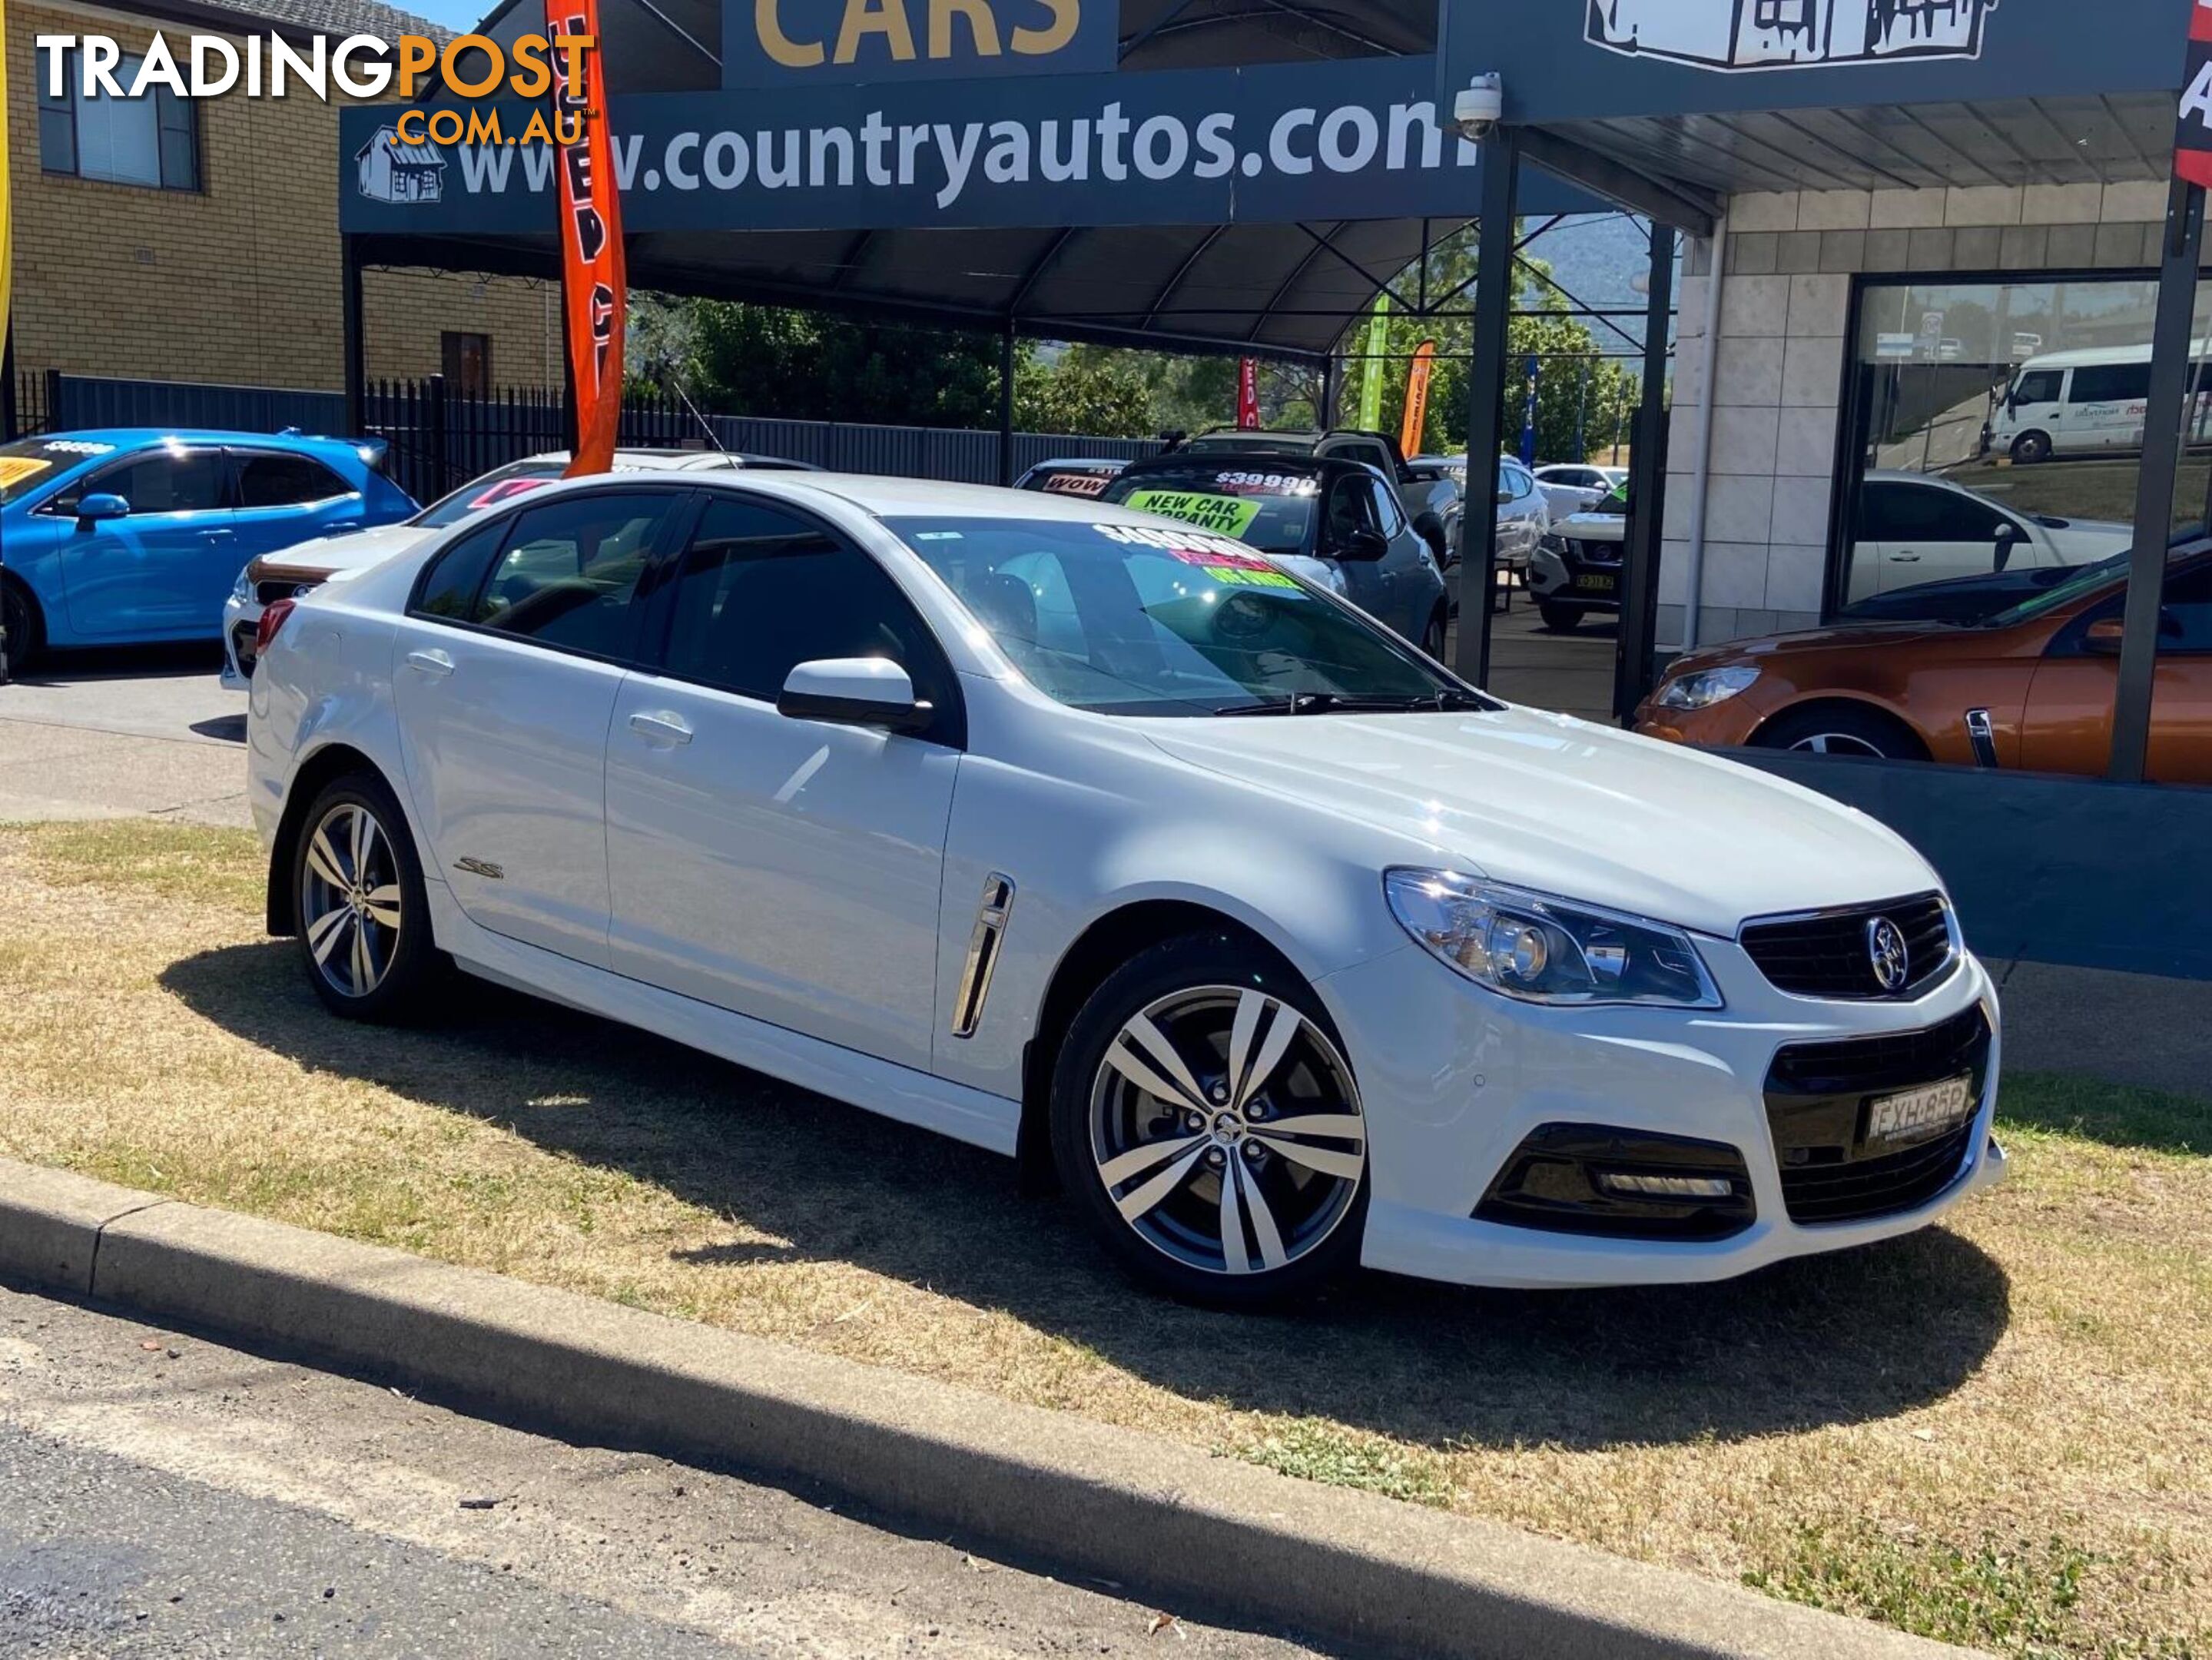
1104,842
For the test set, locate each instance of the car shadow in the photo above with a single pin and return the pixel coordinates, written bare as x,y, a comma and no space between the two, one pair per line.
66,665
1837,1338
230,729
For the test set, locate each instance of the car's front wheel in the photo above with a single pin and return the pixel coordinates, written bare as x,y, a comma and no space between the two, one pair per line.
1561,619
18,619
358,902
1205,1117
2031,448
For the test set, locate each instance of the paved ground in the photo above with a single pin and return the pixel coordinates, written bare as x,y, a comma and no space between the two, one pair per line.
170,1497
1570,672
106,734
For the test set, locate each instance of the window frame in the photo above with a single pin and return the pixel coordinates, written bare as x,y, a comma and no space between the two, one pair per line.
240,456
948,726
658,563
70,108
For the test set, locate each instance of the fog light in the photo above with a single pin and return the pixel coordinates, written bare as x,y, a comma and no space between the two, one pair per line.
1666,1187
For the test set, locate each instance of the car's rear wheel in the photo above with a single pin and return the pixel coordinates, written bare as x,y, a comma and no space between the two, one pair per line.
26,635
2031,448
1206,1119
1840,729
362,918
1561,619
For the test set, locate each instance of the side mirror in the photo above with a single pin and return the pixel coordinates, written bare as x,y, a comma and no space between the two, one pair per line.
101,506
2104,636
1504,495
854,692
2007,539
1366,545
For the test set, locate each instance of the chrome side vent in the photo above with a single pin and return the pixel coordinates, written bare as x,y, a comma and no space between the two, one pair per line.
982,954
1982,736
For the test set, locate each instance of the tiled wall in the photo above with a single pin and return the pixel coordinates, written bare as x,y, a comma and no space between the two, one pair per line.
1786,303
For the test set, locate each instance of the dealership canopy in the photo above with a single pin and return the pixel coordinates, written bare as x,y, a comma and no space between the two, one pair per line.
1219,175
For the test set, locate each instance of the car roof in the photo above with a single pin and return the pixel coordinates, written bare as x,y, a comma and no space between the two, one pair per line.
1102,462
1273,461
670,460
139,437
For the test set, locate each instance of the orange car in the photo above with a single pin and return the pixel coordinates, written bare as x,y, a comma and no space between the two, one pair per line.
2031,687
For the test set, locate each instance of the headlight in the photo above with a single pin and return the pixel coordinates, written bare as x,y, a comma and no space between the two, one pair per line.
1706,688
1553,542
242,589
1545,950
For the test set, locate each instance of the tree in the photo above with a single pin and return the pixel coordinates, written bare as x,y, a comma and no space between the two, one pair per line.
1091,396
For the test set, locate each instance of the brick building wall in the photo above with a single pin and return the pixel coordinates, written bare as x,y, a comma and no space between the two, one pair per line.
238,282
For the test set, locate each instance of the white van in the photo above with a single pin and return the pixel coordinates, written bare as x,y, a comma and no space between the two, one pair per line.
2076,402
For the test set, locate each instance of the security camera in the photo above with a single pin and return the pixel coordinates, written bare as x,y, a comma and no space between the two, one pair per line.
1478,106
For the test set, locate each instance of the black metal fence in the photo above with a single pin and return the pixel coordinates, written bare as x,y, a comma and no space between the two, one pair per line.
440,440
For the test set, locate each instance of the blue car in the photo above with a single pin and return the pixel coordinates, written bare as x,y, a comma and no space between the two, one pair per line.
132,535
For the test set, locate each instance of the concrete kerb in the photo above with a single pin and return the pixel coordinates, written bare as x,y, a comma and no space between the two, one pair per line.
1165,1520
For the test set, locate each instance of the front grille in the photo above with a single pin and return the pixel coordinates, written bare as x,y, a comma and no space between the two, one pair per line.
1596,553
1819,1096
243,637
1826,955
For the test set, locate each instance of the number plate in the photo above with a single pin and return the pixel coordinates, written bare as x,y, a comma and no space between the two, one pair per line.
1912,1114
1600,584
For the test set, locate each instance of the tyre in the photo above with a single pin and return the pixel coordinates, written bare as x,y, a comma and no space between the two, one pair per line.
1433,637
362,917
2031,448
1561,619
1840,729
19,616
1208,1124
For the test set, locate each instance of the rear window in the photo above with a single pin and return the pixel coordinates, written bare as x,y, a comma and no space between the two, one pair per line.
500,485
1268,508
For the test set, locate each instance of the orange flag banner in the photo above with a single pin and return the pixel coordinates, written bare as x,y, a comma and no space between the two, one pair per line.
1417,398
594,284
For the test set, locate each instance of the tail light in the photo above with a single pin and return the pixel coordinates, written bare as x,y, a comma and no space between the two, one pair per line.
272,619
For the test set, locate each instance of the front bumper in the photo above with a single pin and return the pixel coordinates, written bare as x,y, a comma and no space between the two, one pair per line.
1454,1080
1556,576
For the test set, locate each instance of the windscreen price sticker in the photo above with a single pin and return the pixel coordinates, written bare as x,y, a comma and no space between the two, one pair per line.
1228,515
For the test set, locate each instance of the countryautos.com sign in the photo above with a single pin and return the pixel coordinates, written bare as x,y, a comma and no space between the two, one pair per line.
1356,139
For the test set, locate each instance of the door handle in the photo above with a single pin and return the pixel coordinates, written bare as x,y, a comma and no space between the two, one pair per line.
216,535
433,663
660,727
1905,558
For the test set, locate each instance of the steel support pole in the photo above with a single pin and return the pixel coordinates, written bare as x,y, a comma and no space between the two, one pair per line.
1485,403
2170,365
1006,405
356,357
1647,494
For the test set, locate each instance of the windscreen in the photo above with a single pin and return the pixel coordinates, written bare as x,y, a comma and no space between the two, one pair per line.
31,464
1269,508
1132,619
500,484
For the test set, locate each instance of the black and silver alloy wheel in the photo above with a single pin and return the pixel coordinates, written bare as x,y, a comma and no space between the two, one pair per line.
351,911
1226,1129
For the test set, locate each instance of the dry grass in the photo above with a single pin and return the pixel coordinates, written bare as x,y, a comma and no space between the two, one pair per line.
1995,1431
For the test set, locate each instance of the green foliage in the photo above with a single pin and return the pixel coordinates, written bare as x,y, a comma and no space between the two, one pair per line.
1315,1449
1093,396
811,366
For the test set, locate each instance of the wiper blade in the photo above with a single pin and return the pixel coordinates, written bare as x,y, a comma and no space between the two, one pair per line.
1334,702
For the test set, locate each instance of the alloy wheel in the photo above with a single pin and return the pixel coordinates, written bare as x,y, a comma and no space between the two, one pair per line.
1226,1129
349,905
1837,742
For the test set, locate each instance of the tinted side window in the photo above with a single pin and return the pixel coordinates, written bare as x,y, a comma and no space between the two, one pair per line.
762,591
278,481
449,587
165,482
2188,609
2040,387
571,570
2104,383
1387,513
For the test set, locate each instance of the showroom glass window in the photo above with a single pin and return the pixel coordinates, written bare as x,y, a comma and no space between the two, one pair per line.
152,140
1995,439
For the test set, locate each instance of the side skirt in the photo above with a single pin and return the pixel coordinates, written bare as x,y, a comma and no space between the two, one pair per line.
972,1115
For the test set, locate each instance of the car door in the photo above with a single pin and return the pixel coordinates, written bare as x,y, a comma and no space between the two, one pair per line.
786,869
283,498
504,676
1350,512
2067,725
148,575
1934,533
